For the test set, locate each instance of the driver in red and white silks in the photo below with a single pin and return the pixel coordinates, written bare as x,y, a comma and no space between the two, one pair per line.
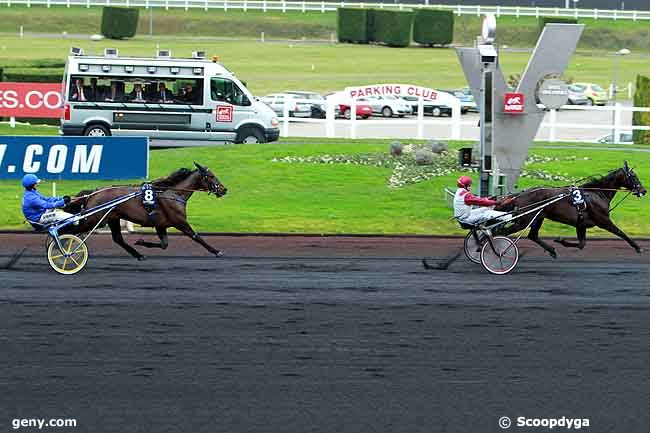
465,202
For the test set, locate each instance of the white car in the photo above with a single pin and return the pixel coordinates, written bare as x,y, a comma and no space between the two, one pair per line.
624,137
318,103
296,109
388,105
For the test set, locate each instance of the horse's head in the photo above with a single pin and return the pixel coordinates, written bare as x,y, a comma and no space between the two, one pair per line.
209,182
631,181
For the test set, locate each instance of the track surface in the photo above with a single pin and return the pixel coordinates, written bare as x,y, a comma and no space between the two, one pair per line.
324,335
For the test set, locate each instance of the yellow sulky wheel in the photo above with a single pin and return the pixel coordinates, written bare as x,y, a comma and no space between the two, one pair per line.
72,259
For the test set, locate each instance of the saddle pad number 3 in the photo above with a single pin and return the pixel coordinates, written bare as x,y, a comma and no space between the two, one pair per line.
148,195
577,198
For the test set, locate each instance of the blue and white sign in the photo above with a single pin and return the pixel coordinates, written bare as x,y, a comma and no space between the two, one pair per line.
74,158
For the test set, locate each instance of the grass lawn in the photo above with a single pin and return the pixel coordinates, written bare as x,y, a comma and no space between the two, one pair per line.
267,196
270,67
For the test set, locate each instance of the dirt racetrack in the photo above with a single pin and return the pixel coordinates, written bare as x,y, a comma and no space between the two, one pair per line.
324,334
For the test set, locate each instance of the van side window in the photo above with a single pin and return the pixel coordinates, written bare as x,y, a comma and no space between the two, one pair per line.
224,90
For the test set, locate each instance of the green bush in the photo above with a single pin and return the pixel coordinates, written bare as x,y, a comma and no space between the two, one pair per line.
119,23
370,25
33,75
542,21
433,27
351,25
641,99
393,28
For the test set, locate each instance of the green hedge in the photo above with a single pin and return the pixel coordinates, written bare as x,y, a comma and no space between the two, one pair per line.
542,21
351,24
393,28
33,75
119,23
641,99
370,25
433,27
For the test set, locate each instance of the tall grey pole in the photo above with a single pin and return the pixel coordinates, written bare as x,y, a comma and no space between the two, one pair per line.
614,89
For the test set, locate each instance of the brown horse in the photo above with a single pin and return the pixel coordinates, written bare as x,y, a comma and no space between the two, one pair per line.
598,195
173,193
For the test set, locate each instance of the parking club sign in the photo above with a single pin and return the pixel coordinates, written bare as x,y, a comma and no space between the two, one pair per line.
513,103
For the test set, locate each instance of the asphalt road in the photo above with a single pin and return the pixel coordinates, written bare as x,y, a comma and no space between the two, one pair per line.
324,335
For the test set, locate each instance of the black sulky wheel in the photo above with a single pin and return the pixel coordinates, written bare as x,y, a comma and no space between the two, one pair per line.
472,248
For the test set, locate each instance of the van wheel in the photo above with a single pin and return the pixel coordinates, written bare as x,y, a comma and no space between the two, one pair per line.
387,112
97,131
250,135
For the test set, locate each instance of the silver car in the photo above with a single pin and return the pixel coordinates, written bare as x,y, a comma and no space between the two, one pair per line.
318,103
388,105
577,95
295,108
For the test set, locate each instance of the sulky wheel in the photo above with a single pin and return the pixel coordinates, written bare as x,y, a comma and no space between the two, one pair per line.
500,256
472,248
71,259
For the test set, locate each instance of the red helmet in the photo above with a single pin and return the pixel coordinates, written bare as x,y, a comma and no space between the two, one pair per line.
464,182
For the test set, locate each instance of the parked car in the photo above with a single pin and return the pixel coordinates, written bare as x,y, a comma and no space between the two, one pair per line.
318,106
427,106
466,99
625,137
296,109
595,94
342,108
387,105
577,95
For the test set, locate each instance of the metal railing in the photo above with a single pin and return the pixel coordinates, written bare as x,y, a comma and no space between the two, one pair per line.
328,6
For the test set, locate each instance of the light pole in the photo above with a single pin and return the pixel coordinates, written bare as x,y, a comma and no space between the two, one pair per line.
617,56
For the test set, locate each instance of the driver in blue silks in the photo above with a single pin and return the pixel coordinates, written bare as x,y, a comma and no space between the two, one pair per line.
40,209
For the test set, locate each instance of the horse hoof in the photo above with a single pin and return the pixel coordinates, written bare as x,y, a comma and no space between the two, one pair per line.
558,240
219,253
141,258
640,251
553,254
139,242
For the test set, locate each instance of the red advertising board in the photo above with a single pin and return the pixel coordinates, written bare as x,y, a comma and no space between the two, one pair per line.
224,113
38,100
513,103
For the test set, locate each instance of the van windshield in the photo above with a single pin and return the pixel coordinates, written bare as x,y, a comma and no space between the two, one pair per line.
143,90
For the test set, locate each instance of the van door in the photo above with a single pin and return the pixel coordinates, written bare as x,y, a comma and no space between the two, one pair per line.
232,106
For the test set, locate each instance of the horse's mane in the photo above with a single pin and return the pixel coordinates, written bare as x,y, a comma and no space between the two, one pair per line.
594,181
173,179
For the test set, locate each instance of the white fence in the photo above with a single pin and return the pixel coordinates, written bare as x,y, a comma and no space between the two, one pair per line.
328,6
580,124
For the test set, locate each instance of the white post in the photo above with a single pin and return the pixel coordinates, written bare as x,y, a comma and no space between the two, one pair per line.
353,119
552,133
264,6
12,122
262,37
304,7
498,11
634,15
420,118
629,90
284,6
617,123
322,7
330,116
21,32
536,12
517,11
611,90
332,38
245,6
458,11
53,189
285,117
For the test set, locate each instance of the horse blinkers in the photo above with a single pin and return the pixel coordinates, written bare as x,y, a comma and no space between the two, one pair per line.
634,184
212,183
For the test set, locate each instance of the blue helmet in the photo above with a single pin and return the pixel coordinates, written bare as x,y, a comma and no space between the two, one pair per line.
29,180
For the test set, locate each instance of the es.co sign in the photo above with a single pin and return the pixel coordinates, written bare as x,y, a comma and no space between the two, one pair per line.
38,100
513,103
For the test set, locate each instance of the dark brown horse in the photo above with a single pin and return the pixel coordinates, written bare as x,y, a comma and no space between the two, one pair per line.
598,195
173,193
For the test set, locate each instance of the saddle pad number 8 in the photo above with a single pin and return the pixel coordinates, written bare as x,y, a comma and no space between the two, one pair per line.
148,195
577,198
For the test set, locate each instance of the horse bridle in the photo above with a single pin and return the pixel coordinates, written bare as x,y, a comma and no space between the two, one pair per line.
633,179
213,187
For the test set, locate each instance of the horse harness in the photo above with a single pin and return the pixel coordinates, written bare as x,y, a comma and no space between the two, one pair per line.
578,201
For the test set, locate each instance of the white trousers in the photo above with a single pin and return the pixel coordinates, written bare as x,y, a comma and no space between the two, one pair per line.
483,214
54,215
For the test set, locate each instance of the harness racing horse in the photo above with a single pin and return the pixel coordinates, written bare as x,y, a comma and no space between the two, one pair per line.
595,212
173,193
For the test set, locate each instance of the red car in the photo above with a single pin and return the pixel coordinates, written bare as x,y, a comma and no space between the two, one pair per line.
364,110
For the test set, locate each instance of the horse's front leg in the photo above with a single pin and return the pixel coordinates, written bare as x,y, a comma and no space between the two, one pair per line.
608,224
187,230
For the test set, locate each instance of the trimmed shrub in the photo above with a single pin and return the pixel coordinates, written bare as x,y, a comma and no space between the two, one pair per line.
351,25
370,25
641,99
119,23
542,21
433,27
393,28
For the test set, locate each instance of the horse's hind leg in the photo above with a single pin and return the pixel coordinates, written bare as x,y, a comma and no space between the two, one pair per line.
116,233
163,244
581,231
187,230
533,235
609,225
